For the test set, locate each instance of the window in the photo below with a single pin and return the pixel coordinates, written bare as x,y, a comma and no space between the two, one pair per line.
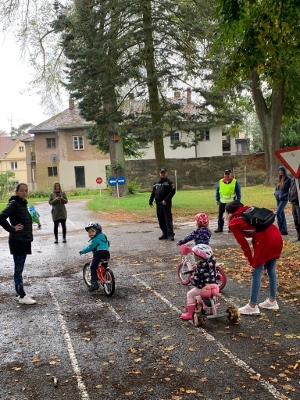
21,149
52,171
13,165
77,142
50,143
174,137
204,135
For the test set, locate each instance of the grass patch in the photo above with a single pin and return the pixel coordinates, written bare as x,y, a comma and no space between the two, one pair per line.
185,202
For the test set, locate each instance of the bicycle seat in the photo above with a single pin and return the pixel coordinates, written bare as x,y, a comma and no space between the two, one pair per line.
210,290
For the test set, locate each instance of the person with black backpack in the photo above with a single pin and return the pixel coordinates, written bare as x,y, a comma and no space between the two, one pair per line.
267,246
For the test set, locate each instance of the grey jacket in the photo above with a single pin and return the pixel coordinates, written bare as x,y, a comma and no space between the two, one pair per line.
58,200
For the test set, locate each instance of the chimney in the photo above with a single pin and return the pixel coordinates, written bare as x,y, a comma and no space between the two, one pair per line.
71,104
188,95
177,95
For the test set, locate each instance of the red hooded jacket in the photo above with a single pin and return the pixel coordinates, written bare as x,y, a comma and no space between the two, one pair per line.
266,244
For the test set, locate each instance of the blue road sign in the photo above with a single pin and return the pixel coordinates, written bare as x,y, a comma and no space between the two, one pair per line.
112,181
121,180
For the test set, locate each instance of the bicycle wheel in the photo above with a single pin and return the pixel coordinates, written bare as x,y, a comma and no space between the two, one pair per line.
221,277
183,272
233,315
109,285
198,319
87,274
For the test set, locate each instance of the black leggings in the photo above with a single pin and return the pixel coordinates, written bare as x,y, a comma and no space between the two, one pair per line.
63,227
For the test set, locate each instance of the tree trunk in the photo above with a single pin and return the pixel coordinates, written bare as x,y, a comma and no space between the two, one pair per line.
152,84
116,151
270,123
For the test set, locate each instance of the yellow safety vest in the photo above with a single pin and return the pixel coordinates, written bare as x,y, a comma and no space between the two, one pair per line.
227,191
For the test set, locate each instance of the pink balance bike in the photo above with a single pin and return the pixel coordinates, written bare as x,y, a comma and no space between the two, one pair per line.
185,268
207,305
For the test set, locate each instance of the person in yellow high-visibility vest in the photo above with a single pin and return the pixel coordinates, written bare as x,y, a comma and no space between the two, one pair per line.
227,189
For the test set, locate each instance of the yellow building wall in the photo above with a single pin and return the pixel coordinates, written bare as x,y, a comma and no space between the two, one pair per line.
16,155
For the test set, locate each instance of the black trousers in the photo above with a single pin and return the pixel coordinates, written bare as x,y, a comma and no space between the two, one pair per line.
165,219
63,227
99,255
220,216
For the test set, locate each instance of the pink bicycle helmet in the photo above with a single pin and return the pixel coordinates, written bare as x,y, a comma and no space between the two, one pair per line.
203,250
202,219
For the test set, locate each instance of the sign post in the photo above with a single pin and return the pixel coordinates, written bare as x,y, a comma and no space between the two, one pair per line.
121,180
99,180
290,158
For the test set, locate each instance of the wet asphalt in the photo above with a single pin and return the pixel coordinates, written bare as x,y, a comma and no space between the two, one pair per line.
74,344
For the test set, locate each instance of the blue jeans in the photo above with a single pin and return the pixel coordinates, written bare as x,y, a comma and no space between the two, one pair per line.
19,261
256,279
281,221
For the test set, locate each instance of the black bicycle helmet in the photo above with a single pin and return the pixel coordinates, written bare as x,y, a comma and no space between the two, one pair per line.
94,225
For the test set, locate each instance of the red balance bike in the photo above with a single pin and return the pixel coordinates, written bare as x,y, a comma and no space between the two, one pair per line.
185,268
105,276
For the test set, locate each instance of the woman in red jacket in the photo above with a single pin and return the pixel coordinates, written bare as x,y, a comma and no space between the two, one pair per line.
267,247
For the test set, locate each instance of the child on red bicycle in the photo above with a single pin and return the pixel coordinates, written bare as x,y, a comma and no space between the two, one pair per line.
99,245
201,235
204,275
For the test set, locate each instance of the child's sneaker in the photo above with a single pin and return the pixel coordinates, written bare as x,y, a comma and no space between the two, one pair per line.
269,305
248,310
26,300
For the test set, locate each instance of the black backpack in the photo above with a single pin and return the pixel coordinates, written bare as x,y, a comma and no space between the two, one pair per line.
259,218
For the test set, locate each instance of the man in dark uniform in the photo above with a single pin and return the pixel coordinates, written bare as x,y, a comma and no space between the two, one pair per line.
162,193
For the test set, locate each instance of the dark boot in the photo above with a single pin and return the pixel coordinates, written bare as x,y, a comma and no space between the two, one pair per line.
164,236
64,240
94,286
56,240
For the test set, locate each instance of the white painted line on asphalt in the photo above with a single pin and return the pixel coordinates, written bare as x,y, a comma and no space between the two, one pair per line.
70,222
237,361
118,318
76,369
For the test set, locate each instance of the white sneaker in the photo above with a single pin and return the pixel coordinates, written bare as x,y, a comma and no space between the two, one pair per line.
26,300
269,305
17,297
248,310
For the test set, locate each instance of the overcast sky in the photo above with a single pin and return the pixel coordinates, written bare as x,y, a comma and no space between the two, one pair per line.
17,104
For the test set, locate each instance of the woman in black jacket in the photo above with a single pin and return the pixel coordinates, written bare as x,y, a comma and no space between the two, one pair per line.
20,236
